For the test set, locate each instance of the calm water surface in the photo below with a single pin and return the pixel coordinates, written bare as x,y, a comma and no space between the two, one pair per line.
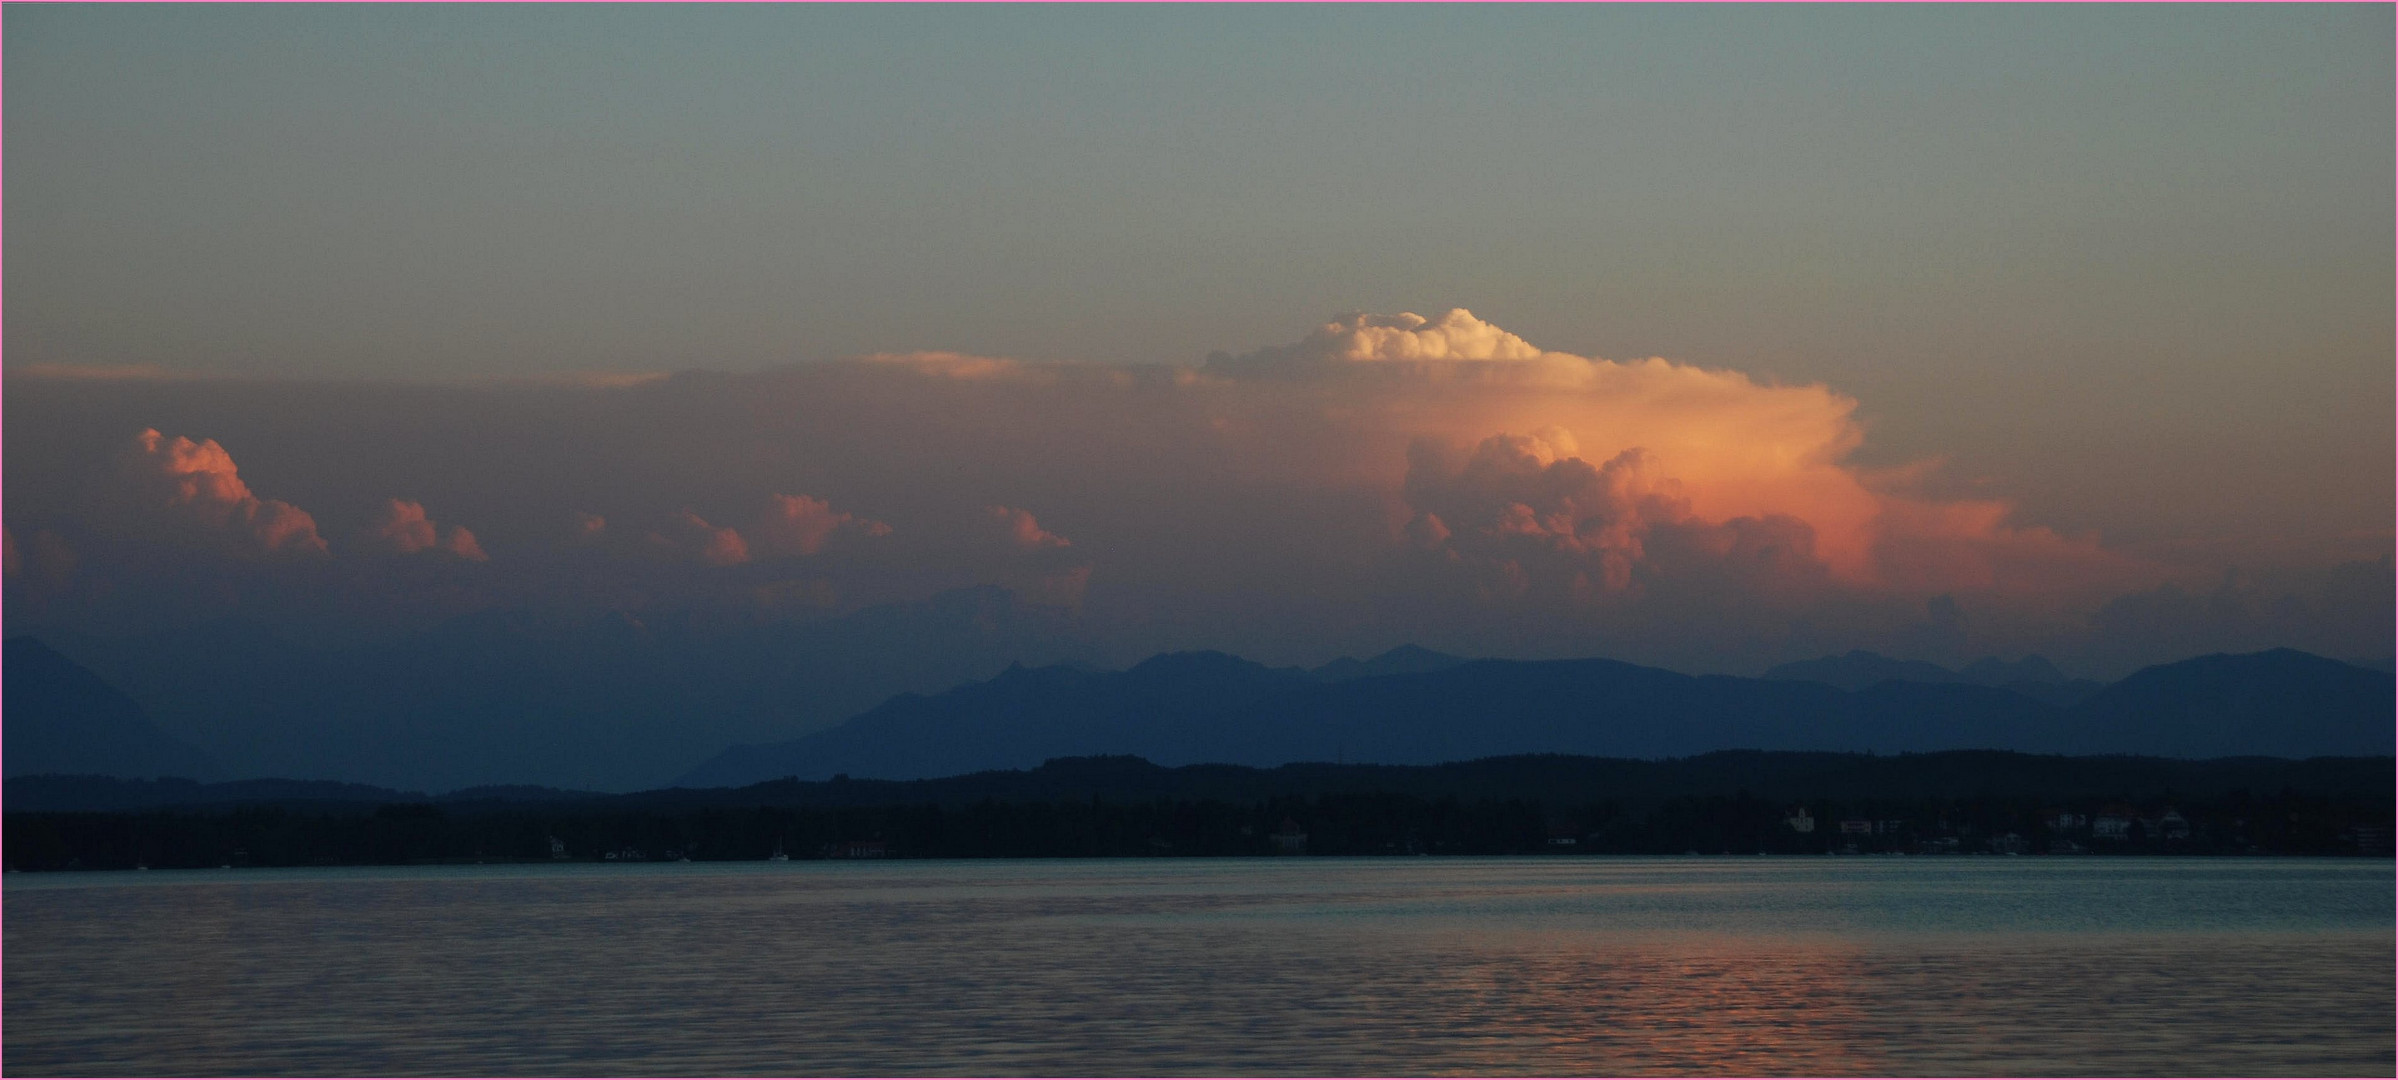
1359,967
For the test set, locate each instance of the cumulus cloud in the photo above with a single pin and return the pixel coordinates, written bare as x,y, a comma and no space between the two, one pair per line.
1739,448
1526,515
585,528
1730,448
687,535
787,526
402,528
800,525
197,488
1406,337
1023,531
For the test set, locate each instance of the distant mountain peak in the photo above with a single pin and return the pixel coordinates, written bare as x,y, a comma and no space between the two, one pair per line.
1409,659
1197,662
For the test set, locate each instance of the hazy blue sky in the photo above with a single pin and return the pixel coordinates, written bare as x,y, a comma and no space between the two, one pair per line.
2127,269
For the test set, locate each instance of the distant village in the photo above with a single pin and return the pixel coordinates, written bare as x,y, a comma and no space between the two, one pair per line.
2115,829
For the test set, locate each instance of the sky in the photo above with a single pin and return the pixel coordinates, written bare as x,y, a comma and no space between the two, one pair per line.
1702,336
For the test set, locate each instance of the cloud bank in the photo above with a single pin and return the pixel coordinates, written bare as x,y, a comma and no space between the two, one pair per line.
1381,479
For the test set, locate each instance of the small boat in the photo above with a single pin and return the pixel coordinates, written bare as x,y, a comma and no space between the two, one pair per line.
778,855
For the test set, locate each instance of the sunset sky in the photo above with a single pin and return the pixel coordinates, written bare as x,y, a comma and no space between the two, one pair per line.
1709,337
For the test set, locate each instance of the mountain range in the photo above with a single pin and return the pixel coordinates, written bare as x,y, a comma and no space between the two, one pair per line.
1189,708
478,710
603,701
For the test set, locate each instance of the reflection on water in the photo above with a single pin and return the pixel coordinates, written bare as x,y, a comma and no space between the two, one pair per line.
1718,966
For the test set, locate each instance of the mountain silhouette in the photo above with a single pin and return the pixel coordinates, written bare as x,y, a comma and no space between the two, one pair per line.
62,718
2282,703
1192,708
1162,707
1404,660
601,701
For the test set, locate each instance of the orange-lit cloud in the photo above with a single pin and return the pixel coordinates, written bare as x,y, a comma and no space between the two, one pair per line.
1526,515
788,525
1023,531
799,525
1727,447
402,528
688,535
196,486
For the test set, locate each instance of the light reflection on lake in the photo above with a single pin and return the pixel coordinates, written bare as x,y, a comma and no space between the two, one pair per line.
1326,966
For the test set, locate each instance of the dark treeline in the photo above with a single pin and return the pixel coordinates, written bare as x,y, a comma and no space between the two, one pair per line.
1556,779
1387,823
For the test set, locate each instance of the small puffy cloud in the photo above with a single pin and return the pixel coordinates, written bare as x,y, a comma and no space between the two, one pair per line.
462,543
688,535
800,525
402,528
1023,531
196,486
788,525
585,528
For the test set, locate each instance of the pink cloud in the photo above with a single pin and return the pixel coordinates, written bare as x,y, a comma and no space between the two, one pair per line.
800,525
403,528
1025,532
463,544
197,485
789,525
689,535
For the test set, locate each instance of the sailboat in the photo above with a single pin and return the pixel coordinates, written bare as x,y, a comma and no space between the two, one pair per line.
778,855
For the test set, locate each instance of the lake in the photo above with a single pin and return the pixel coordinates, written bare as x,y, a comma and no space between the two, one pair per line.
1714,965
